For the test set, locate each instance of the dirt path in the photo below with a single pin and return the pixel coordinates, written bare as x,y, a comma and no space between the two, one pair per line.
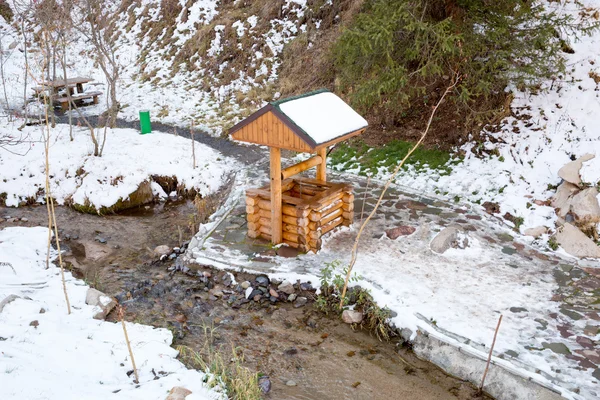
305,354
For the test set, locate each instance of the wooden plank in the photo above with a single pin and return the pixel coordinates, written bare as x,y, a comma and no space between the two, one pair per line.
348,198
252,217
348,215
322,167
333,224
302,166
327,208
253,234
254,226
300,230
314,216
330,217
348,206
252,209
276,222
315,182
252,201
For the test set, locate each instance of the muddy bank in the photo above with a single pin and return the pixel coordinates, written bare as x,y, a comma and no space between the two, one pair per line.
305,354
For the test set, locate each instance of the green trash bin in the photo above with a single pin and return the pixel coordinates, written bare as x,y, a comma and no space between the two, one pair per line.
145,126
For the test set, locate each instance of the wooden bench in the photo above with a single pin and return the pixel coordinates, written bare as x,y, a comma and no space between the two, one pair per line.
64,100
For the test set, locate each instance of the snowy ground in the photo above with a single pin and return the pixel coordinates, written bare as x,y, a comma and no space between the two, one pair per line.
458,295
563,124
128,160
47,354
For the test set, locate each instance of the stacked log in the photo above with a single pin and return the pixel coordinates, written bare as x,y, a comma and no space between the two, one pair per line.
309,211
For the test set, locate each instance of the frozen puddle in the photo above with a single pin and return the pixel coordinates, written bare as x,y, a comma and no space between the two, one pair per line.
47,354
456,296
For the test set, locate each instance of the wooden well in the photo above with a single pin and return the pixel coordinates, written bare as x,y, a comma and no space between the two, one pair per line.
299,211
310,209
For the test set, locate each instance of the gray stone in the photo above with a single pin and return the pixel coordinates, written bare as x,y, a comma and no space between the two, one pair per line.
447,238
535,232
585,204
352,317
103,303
8,299
562,198
162,250
570,171
178,393
291,383
246,285
558,348
286,287
292,297
300,302
262,280
264,382
576,243
217,291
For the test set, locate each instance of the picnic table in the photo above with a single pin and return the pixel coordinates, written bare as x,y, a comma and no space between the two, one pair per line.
57,91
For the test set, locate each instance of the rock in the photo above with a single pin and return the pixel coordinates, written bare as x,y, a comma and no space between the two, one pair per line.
24,219
287,252
217,291
300,302
491,208
535,232
8,299
273,293
306,286
262,280
246,285
34,323
264,383
402,230
558,348
562,198
279,315
447,238
100,239
286,287
576,243
352,317
291,383
585,204
570,171
162,250
249,291
103,303
178,393
292,297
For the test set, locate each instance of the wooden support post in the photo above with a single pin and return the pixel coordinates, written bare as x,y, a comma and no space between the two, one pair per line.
276,222
322,168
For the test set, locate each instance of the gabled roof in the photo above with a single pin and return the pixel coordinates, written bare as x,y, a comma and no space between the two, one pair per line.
317,118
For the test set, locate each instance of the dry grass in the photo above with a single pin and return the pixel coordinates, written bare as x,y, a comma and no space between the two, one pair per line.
224,365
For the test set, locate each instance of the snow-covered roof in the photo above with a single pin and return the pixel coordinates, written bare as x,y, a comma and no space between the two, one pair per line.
311,121
321,115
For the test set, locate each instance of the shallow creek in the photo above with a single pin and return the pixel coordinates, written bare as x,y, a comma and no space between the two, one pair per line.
306,354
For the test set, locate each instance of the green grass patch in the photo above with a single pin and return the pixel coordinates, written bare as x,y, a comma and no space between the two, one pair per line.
369,160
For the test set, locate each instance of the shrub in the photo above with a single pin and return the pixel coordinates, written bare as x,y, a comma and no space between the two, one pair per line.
399,52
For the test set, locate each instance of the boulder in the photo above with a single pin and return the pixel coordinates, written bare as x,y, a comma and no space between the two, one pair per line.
352,317
286,287
570,171
584,205
402,230
103,303
576,243
447,238
535,232
178,393
563,197
162,250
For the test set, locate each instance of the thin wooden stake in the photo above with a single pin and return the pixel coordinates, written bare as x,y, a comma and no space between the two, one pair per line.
193,145
362,211
122,318
487,365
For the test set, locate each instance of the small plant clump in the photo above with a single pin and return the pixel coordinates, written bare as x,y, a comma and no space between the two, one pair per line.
375,318
552,243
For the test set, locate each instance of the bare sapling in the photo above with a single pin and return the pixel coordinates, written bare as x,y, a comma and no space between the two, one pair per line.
193,145
121,314
487,364
362,210
50,206
387,185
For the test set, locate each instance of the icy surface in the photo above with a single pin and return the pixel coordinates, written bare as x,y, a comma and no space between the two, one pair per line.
62,356
323,116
